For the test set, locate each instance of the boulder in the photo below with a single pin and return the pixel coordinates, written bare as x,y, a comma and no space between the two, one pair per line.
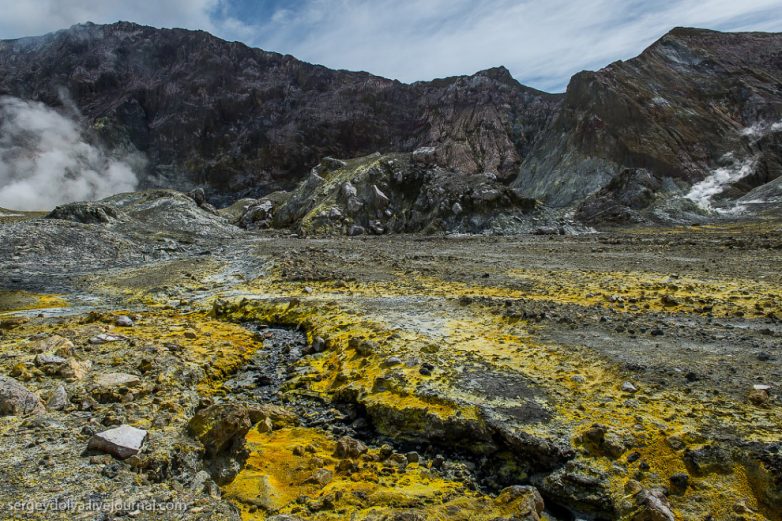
122,442
220,426
526,502
58,399
17,400
348,447
110,387
355,230
53,344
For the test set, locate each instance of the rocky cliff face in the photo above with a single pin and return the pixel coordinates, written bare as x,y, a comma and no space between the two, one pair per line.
695,104
240,120
689,129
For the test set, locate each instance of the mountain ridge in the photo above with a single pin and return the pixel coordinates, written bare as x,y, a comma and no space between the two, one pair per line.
240,121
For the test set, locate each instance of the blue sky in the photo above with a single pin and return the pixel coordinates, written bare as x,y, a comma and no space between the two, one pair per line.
542,42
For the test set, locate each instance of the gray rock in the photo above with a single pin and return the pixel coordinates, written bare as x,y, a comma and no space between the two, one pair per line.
377,227
122,442
348,447
380,200
108,380
348,190
527,501
104,338
652,505
318,344
355,230
58,400
50,364
17,400
123,321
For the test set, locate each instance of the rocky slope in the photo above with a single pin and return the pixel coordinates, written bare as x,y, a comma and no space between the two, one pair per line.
696,105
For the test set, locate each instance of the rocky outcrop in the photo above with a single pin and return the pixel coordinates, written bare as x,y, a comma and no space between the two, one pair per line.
398,193
694,102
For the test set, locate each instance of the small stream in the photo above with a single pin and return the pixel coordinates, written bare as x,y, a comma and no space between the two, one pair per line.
267,378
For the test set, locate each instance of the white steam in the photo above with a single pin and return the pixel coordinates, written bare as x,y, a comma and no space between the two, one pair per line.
703,192
45,160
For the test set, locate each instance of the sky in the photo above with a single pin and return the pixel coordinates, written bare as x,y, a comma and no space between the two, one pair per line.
541,42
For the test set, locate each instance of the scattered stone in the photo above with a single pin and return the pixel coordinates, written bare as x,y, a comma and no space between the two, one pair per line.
393,360
75,370
577,378
54,344
629,387
601,441
399,459
321,477
58,400
708,459
17,400
652,505
105,338
110,387
50,364
669,300
348,447
526,501
123,441
426,369
364,347
123,321
679,482
318,344
759,395
355,230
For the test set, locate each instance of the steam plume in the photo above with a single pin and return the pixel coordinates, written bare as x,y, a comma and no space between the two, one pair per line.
45,159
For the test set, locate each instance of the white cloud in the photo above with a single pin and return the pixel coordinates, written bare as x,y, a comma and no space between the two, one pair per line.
542,42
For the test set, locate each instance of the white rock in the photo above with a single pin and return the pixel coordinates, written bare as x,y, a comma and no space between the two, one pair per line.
123,441
104,338
629,388
109,380
124,321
